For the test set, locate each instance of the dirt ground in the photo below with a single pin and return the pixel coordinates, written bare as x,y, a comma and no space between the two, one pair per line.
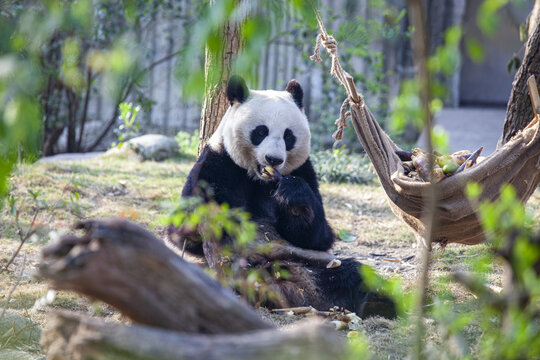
69,191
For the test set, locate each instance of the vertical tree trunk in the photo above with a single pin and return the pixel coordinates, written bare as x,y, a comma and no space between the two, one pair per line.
519,111
534,18
73,106
218,68
84,114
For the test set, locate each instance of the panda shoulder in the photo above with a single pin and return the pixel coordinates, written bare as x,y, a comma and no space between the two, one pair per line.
307,172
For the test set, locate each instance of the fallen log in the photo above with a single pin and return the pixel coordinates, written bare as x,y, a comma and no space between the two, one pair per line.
126,266
190,315
73,336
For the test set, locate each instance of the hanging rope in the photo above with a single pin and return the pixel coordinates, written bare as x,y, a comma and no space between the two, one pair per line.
341,122
336,70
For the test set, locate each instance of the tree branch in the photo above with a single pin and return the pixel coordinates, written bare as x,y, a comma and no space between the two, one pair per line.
130,85
113,118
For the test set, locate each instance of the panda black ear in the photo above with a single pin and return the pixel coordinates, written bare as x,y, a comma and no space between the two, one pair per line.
296,91
237,90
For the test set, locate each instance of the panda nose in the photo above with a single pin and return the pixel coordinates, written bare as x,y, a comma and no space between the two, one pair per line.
273,161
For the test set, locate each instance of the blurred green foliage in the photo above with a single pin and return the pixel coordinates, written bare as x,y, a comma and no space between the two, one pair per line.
233,232
407,107
255,30
128,127
342,166
442,63
51,52
213,220
188,144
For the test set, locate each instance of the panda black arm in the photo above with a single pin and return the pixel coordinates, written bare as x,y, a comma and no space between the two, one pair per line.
301,218
225,180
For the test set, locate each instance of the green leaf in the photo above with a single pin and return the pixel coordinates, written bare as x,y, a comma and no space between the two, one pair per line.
513,64
475,50
345,235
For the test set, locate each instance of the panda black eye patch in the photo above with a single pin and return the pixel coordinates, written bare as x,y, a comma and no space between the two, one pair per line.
289,138
258,134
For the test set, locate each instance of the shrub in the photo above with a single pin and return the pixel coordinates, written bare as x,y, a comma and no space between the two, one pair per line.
338,166
188,143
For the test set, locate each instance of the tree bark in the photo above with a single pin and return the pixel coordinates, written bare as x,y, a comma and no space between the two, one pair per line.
534,18
124,265
218,69
519,111
73,106
52,139
73,336
84,114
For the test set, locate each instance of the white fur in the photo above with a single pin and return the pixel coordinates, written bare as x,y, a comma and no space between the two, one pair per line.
276,110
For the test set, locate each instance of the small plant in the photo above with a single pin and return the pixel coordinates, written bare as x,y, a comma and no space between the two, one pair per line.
233,232
510,320
24,236
188,143
339,166
213,220
128,129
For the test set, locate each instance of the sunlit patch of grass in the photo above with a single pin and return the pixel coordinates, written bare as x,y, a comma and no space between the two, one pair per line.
73,191
456,257
105,186
363,210
69,301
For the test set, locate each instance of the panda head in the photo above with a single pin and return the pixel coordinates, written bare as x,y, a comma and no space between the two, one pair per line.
264,127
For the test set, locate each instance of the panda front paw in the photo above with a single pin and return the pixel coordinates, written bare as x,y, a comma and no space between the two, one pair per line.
295,195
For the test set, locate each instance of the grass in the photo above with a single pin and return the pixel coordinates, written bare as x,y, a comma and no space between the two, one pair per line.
120,186
73,191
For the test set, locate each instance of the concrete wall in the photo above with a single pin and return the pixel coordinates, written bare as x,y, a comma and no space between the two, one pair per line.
488,82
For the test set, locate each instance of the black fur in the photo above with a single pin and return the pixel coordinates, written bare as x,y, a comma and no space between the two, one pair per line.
284,204
290,139
294,207
258,134
237,90
296,91
344,287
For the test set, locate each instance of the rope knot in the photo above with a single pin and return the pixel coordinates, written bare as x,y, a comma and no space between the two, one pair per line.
341,122
317,51
330,44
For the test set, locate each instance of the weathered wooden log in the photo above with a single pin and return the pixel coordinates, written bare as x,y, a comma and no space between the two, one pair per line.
126,266
74,336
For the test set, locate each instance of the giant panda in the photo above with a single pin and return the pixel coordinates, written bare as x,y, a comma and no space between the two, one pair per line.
267,129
